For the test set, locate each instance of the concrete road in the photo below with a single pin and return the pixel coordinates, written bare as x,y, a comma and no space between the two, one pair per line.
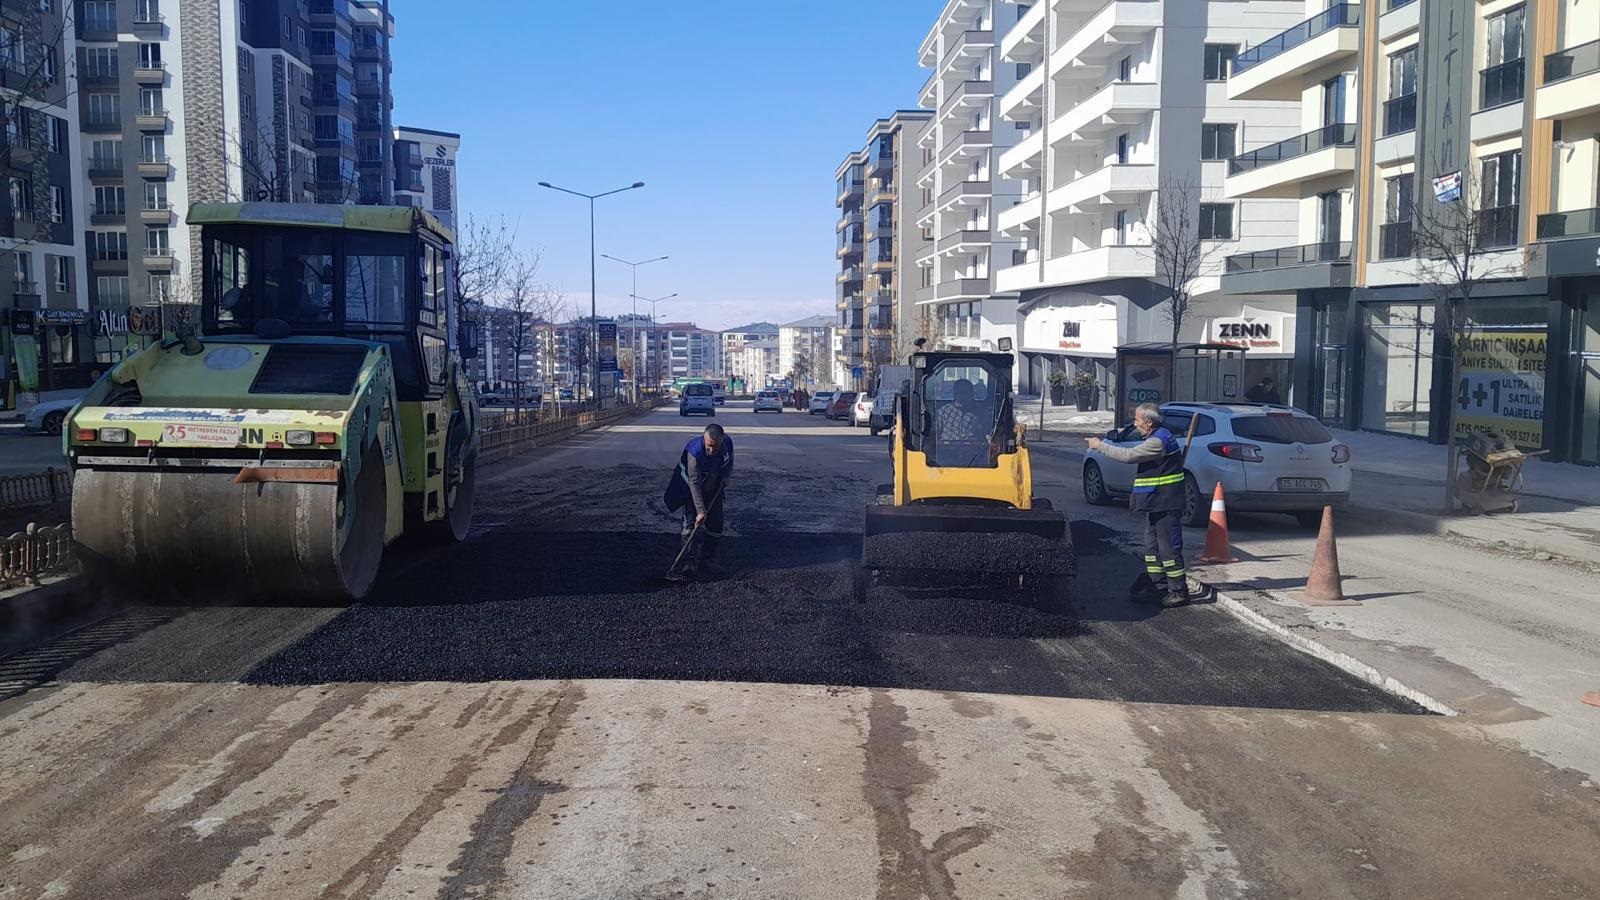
27,451
527,716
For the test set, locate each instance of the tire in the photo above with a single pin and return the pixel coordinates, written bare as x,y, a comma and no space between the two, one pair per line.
684,413
1095,492
53,422
875,430
1310,519
1196,509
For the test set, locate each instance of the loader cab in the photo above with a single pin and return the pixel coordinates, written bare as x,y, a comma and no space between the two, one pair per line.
276,272
959,411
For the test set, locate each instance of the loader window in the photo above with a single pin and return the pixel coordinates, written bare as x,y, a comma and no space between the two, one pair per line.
375,279
962,409
297,277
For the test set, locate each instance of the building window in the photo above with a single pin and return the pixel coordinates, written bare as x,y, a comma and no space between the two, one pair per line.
1125,69
1219,58
24,267
58,204
56,133
21,191
1394,235
1216,221
111,245
110,201
104,111
155,195
101,63
1502,77
47,66
1119,228
1218,141
1122,149
1499,199
153,148
150,56
100,16
150,102
105,155
155,242
61,273
111,290
247,104
160,288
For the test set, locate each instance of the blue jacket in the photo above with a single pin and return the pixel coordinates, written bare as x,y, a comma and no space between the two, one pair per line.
700,475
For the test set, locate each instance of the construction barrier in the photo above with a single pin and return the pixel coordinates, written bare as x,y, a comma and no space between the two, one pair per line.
34,488
37,551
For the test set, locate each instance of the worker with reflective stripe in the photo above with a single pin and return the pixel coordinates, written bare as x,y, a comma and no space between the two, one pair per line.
696,489
1158,493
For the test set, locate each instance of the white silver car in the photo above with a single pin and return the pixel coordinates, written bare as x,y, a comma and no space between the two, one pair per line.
861,413
1268,458
820,401
48,416
769,401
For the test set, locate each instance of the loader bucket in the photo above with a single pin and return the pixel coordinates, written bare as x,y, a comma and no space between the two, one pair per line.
948,542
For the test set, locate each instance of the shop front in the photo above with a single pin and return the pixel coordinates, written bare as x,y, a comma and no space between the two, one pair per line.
119,332
42,351
1267,336
1076,336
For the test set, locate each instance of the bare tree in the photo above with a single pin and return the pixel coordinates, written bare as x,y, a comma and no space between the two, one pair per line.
1460,244
1176,248
800,369
483,255
522,303
35,68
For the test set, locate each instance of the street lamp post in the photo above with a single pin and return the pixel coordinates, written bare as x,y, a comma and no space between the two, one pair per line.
594,316
634,293
652,337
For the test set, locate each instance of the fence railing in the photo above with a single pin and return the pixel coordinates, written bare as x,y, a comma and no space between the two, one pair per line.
35,488
493,438
39,550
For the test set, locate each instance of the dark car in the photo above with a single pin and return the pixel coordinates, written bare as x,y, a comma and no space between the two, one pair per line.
843,403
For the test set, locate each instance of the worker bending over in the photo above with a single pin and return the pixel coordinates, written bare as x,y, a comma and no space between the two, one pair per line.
697,489
1158,493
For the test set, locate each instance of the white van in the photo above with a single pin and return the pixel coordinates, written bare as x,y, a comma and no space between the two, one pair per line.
697,398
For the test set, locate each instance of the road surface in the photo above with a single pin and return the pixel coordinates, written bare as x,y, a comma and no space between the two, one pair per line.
528,716
27,451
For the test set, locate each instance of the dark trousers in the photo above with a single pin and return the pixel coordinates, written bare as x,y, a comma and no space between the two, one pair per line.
699,546
1163,549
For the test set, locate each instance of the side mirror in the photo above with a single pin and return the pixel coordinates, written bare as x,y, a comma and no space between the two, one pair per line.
1112,434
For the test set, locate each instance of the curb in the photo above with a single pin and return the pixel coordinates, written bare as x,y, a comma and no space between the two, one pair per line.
1339,660
1445,526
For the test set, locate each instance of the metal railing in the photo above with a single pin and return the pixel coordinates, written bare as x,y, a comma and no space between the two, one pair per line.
1396,4
517,432
1342,135
1400,114
1395,241
1283,257
35,488
1572,62
35,551
1569,224
1497,226
1502,84
1327,20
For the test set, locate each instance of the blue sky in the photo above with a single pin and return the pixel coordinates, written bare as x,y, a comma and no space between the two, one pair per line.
733,114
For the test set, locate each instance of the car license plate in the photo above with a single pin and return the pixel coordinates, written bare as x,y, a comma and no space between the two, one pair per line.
1302,484
213,435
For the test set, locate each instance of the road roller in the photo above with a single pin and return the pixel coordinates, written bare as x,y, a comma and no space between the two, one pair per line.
311,410
961,509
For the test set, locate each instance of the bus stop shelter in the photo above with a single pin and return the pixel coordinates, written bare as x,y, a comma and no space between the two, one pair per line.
1163,372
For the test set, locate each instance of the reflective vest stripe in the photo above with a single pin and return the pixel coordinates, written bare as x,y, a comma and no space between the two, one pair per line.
1156,480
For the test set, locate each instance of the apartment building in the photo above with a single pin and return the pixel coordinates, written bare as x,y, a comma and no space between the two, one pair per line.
758,363
1510,112
46,333
961,188
425,171
805,349
879,243
689,351
734,340
1127,118
351,102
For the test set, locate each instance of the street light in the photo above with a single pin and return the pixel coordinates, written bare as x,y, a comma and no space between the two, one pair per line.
634,293
594,316
653,337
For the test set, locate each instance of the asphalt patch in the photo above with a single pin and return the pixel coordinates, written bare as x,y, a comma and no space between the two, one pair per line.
974,552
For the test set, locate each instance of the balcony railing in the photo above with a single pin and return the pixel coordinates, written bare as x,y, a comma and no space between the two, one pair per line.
1569,224
104,209
153,159
1400,114
1321,23
1283,257
1394,240
1343,135
1396,4
105,164
1502,84
1572,62
1497,226
25,287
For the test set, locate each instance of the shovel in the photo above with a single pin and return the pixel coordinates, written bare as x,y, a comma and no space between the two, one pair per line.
669,578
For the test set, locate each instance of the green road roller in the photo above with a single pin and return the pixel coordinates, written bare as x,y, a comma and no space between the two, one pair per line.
312,410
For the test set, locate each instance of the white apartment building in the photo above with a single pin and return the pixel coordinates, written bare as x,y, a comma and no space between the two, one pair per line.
425,171
809,344
961,189
734,340
758,363
1123,105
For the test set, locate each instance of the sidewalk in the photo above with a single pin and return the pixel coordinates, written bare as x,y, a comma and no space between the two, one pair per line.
1064,419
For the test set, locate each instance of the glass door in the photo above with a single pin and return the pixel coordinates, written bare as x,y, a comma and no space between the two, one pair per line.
1586,359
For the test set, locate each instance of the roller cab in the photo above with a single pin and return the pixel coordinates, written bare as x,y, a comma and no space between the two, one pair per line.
310,413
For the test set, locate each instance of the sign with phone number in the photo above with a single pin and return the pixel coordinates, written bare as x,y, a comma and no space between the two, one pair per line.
1502,385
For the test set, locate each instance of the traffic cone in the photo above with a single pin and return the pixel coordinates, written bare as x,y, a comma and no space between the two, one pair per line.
1218,550
1324,585
1592,698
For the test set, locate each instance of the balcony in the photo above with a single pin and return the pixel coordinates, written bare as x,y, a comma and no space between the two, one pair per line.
1502,84
964,193
1301,255
851,190
1271,70
849,246
880,164
961,289
967,144
1114,106
1574,223
154,72
1278,170
151,118
148,23
105,167
965,95
850,273
969,44
956,241
102,125
1394,241
1024,41
158,258
1107,34
881,193
154,166
1399,17
853,217
1307,266
1019,218
1110,184
880,227
1400,114
156,214
365,51
1571,82
1084,266
1024,158
1025,99
1497,227
107,215
100,78
368,87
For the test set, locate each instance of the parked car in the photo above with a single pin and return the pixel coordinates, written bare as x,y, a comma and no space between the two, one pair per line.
566,394
1268,459
769,401
697,398
49,416
843,403
719,392
861,412
820,401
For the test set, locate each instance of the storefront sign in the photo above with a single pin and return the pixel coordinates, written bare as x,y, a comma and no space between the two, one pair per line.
1075,330
64,316
1249,333
22,321
134,320
608,346
1502,385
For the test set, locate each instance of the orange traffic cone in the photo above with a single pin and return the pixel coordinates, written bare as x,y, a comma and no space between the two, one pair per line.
1592,698
1324,585
1218,550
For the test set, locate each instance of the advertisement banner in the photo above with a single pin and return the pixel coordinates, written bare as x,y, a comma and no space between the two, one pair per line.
1502,385
1147,379
26,348
608,346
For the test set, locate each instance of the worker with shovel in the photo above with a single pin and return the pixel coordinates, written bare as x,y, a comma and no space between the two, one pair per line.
696,490
1158,493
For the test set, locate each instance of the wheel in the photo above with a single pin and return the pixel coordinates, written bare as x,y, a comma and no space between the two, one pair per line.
52,423
1095,492
876,430
1043,503
1196,511
1309,518
684,413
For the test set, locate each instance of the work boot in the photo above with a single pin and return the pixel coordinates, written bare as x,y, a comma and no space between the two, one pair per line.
1176,596
1143,590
